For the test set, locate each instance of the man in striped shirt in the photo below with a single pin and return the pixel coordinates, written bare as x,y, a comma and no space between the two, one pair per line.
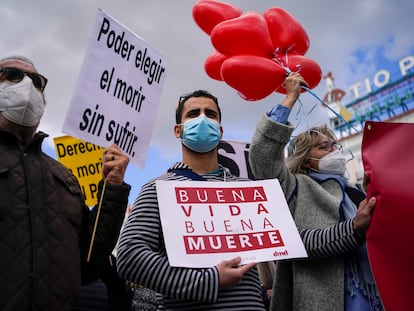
142,256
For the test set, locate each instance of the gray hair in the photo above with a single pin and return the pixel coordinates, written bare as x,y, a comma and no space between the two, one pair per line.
300,147
17,57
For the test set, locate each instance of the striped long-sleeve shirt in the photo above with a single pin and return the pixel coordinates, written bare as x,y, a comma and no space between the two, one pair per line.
142,259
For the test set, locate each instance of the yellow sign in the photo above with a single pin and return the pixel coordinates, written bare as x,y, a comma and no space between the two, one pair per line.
84,160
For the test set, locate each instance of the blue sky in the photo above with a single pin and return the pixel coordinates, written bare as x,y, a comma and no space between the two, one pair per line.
353,39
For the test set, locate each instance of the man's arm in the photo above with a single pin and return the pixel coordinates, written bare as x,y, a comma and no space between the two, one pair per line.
142,257
101,225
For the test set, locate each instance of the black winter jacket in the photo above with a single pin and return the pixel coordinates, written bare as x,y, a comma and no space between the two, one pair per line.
45,229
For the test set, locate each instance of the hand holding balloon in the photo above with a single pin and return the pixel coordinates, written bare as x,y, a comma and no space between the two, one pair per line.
293,87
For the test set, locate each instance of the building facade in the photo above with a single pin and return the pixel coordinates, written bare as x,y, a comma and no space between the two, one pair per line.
388,97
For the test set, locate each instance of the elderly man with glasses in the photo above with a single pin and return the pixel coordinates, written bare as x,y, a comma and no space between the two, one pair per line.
45,226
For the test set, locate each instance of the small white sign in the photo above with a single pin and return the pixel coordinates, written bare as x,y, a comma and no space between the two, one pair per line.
207,222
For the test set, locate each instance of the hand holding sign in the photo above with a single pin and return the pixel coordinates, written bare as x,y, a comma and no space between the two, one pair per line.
115,163
231,272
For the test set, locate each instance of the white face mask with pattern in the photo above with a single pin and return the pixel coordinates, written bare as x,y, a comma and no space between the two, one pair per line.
332,163
21,103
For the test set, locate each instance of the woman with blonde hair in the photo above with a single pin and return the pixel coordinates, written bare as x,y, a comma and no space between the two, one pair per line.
332,216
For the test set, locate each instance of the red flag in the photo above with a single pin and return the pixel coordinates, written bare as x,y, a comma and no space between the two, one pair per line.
388,158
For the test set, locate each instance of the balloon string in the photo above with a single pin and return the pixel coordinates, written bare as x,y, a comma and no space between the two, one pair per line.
288,71
327,106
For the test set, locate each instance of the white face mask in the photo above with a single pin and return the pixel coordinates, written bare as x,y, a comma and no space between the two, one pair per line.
21,103
332,163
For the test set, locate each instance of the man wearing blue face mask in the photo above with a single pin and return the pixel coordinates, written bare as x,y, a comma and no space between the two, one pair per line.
227,286
45,226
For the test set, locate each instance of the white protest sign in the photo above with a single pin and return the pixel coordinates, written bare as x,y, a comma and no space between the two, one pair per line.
206,222
118,91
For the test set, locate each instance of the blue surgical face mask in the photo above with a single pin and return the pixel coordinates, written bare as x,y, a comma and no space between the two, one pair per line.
201,134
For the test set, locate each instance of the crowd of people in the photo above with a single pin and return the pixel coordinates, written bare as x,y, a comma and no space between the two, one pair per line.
47,228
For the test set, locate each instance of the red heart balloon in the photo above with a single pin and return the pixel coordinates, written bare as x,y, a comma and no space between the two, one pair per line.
246,34
307,67
254,77
212,65
208,13
287,34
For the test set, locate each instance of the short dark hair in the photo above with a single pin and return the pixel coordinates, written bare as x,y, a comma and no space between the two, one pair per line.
197,93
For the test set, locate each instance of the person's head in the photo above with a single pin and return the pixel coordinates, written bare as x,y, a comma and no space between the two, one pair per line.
316,150
198,118
21,92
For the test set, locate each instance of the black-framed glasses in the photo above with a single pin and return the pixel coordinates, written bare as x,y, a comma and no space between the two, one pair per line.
328,145
16,75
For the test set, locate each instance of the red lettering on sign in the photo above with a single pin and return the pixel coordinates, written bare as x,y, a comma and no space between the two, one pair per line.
208,244
190,195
